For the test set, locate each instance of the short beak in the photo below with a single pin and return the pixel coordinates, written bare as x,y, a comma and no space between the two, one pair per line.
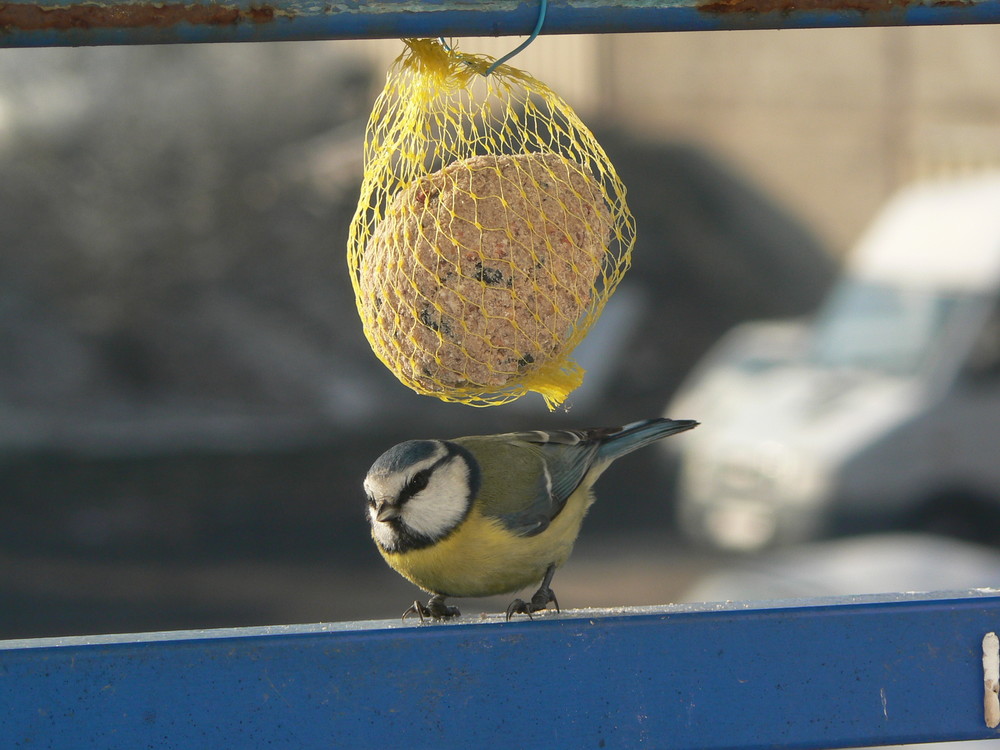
386,511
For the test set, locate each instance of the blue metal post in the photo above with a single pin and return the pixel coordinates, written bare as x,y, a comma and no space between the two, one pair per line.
816,674
93,22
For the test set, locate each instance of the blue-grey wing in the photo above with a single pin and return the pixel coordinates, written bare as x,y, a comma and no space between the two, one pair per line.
530,475
533,474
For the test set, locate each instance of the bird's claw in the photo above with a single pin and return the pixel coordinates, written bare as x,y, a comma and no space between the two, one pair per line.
435,609
538,602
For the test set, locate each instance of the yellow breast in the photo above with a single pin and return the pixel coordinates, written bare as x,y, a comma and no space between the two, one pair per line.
482,558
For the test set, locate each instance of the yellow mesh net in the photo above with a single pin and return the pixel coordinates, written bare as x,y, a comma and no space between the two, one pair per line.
490,232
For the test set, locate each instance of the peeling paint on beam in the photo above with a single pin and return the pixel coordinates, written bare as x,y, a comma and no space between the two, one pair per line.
793,6
90,22
31,17
866,8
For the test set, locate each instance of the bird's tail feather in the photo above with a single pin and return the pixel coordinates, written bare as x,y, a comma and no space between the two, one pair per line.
618,442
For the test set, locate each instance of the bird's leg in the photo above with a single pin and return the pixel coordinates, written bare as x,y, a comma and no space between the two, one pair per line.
539,601
435,608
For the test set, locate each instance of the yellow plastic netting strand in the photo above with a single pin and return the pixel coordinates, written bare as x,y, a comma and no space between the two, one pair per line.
490,232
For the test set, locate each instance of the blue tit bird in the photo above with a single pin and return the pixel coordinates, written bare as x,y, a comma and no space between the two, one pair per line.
492,514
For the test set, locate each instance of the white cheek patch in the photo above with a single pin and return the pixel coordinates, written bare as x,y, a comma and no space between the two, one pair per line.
438,508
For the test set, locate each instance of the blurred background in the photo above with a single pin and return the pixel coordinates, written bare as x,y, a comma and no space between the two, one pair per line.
188,405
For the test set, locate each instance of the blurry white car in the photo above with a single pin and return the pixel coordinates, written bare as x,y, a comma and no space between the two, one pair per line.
884,411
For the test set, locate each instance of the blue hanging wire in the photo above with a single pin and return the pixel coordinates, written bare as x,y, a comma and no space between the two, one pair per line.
542,8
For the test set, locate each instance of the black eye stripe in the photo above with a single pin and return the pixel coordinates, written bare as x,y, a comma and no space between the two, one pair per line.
418,482
422,478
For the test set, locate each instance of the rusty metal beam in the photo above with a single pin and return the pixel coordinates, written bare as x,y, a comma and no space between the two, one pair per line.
102,22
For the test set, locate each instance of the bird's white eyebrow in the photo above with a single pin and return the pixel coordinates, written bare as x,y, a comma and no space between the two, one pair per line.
392,484
438,457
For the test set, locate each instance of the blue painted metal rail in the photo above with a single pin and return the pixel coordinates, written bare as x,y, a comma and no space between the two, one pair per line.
93,22
822,673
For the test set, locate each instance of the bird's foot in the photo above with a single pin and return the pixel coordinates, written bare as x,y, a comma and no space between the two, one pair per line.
435,609
538,602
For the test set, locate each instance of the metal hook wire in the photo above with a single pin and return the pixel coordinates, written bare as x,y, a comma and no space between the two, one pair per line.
542,9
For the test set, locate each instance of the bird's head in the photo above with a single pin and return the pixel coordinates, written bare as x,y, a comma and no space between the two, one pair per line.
419,492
